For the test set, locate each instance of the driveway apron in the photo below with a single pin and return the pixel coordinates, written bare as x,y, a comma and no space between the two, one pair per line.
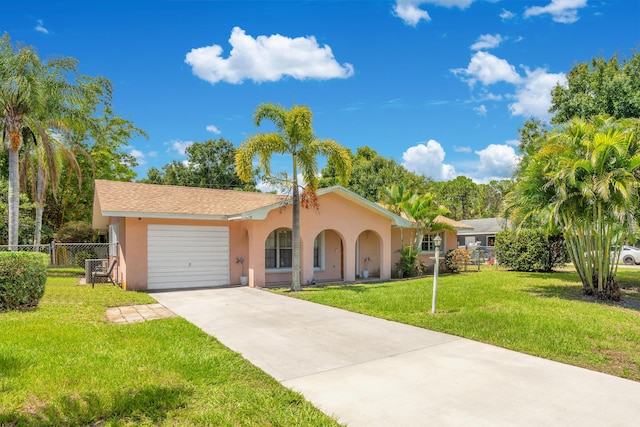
372,372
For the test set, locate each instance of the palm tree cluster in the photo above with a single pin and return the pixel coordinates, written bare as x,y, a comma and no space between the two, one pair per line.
422,210
43,104
584,180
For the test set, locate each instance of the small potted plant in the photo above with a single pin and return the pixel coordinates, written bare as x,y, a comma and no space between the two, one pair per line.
365,272
243,279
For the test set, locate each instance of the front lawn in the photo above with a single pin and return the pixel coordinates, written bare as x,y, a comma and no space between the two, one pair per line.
540,314
65,364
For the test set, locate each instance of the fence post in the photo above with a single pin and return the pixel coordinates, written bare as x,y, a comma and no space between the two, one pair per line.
52,252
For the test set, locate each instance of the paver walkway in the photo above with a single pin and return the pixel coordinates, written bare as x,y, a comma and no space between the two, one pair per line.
372,372
138,313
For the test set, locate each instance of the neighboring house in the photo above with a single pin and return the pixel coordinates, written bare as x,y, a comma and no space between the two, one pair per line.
483,232
184,237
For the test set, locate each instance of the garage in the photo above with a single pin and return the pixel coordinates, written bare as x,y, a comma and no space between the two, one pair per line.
186,256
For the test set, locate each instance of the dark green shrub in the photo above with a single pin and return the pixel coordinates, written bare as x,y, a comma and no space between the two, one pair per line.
22,279
81,256
75,232
529,250
455,259
409,264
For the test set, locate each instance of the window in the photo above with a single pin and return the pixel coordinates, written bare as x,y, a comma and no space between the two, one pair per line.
113,240
318,251
491,240
427,242
279,249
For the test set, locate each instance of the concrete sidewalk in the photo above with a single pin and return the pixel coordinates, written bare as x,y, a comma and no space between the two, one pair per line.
372,372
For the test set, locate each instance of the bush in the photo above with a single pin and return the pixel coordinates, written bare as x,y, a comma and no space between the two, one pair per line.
409,265
75,232
22,279
529,250
81,256
455,259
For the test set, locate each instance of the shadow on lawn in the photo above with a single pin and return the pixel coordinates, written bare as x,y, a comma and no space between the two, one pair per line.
149,404
573,290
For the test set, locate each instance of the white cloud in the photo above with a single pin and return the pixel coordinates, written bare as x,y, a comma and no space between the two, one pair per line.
266,58
496,162
411,13
506,15
481,110
180,146
533,98
532,95
563,11
461,149
488,69
487,41
214,129
40,27
139,155
428,160
514,142
152,154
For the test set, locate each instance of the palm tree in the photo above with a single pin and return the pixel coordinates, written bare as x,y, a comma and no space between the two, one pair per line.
294,136
394,199
45,153
34,95
423,211
585,181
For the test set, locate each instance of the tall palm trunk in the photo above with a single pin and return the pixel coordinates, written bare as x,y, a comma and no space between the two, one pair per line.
295,233
39,205
15,140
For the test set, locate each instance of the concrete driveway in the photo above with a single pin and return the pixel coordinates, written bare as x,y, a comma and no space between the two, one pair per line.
372,372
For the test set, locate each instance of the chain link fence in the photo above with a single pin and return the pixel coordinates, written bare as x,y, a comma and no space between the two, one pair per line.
67,254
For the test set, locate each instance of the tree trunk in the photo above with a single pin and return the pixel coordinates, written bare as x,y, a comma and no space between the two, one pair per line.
13,199
39,206
295,231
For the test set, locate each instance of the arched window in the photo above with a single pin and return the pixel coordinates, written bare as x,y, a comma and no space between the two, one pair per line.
279,249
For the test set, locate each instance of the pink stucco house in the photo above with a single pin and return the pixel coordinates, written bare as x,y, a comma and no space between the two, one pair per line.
182,237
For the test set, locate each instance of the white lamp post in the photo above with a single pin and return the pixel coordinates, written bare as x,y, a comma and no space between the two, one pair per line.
436,267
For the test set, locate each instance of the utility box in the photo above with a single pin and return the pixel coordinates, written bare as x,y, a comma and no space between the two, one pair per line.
91,265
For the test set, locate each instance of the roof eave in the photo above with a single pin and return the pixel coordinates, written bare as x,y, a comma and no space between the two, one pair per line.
164,215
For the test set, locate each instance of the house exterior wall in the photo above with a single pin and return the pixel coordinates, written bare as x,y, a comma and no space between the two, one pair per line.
133,247
347,221
450,243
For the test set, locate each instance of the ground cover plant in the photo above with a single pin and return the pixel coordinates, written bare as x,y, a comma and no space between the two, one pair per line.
65,364
543,314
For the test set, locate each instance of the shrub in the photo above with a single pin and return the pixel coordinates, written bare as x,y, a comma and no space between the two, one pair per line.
529,250
75,232
22,279
409,264
81,256
455,259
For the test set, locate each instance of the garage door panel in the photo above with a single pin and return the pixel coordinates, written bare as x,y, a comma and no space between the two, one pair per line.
187,256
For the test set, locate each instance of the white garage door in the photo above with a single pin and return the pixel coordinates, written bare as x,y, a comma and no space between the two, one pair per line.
185,256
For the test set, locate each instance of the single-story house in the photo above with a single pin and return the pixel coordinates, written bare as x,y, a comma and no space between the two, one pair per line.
168,237
482,232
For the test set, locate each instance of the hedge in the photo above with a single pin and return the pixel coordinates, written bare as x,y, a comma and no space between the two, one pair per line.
22,279
529,250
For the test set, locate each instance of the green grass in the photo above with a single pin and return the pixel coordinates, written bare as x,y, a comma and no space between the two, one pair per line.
65,364
536,313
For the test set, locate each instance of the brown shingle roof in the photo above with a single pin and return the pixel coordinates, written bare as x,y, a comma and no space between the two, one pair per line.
130,197
452,222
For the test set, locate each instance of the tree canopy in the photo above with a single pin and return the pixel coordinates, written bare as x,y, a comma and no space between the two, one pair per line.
209,164
371,173
609,87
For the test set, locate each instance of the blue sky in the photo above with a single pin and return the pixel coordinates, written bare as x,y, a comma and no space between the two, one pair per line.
441,86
